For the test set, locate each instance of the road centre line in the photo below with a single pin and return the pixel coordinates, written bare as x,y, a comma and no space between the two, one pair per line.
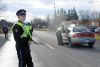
49,46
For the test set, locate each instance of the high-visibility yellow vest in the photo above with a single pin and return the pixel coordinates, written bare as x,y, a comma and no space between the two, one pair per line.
30,27
26,30
60,29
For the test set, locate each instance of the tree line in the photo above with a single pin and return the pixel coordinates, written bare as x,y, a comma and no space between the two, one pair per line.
72,14
4,22
62,15
67,15
40,23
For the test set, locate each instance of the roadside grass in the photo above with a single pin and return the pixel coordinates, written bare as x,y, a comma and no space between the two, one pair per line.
97,36
1,31
10,29
43,29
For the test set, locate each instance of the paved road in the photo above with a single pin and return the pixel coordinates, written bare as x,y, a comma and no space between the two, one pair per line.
46,53
2,40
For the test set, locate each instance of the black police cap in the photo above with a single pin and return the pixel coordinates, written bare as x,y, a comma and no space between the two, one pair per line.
21,12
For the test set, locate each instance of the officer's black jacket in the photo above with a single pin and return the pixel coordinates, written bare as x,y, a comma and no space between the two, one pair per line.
17,32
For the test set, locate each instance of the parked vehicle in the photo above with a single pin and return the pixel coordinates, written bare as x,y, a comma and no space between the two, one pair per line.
92,28
97,33
97,30
78,35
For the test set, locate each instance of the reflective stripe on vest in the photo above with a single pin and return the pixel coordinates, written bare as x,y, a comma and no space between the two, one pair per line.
26,30
30,27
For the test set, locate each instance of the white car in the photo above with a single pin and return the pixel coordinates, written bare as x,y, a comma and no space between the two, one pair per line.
78,35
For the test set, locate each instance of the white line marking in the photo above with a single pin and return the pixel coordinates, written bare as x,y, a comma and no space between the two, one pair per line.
35,39
49,46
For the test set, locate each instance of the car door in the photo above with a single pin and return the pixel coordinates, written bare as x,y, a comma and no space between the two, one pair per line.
67,32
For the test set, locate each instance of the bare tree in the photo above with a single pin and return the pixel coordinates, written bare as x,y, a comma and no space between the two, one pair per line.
89,14
95,14
84,16
2,6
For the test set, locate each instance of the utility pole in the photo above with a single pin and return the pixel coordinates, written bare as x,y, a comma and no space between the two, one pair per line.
54,9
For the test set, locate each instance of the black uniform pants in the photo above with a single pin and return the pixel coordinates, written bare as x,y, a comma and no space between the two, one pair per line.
24,56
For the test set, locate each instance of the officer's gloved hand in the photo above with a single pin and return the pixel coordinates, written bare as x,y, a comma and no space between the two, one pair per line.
31,39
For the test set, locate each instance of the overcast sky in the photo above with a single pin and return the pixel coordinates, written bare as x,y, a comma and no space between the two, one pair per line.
43,7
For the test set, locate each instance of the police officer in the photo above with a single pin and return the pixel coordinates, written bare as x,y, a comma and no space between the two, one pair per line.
59,32
22,37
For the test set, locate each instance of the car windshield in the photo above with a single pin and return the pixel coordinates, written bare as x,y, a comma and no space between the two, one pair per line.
80,29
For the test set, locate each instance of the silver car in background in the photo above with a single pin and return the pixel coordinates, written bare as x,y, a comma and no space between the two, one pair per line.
78,35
